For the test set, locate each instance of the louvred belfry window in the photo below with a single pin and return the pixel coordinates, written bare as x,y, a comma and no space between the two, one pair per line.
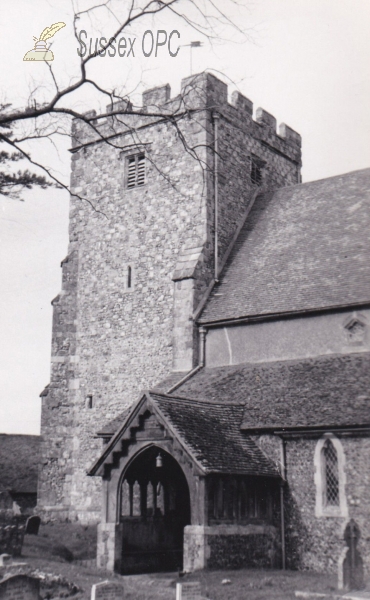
135,171
331,474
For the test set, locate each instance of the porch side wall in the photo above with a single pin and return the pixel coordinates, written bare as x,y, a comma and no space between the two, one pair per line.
230,546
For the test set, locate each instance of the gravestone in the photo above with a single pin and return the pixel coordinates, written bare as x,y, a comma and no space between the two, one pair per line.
11,535
16,508
6,501
353,569
32,525
20,587
5,559
191,590
107,590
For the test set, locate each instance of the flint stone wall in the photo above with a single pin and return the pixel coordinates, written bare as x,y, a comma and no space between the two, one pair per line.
231,546
110,342
317,542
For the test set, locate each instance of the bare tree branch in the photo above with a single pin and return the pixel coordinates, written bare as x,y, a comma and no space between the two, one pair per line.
50,118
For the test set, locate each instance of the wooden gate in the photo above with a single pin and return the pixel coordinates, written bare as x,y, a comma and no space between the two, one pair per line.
155,507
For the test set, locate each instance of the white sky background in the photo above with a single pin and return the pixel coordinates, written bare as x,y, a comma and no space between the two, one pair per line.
307,63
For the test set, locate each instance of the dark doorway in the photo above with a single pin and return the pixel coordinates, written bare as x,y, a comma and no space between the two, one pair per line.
154,509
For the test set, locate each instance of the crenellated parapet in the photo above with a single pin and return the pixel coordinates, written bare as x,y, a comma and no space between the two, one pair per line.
198,93
156,97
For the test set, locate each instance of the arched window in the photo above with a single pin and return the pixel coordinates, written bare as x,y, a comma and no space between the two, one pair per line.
330,478
329,461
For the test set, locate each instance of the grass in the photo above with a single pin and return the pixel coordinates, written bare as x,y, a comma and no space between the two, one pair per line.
68,541
47,552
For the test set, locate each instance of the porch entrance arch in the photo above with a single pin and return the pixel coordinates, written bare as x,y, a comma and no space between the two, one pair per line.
154,508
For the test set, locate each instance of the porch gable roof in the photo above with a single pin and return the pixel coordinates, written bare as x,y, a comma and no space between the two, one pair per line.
208,432
212,431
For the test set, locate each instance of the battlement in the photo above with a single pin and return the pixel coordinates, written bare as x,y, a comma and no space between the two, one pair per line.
156,96
122,105
198,92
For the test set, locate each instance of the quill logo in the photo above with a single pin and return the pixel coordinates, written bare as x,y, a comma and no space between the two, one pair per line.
41,51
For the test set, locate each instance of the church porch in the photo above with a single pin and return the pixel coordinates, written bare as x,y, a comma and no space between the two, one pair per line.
183,489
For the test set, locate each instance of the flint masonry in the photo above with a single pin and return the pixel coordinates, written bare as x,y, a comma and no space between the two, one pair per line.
210,343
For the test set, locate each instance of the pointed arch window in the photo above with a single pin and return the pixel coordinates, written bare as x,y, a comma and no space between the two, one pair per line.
330,478
329,460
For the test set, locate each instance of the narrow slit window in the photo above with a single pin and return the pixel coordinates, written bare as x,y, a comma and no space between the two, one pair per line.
129,277
89,402
135,171
256,170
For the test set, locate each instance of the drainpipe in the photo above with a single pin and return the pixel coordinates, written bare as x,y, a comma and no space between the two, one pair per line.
282,515
216,117
202,346
202,361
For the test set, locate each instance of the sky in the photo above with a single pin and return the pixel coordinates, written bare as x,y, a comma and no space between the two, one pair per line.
304,61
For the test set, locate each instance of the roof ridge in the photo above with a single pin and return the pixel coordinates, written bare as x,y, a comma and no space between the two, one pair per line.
304,183
195,400
294,361
327,178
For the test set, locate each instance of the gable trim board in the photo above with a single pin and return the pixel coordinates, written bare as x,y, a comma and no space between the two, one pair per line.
144,401
222,448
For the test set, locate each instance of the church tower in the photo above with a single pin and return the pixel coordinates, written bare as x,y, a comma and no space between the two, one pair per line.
158,198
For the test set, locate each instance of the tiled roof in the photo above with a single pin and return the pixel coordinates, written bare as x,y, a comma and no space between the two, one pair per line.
328,391
212,432
302,247
19,459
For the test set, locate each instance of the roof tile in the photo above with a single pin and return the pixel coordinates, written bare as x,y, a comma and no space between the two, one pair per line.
302,247
327,391
213,433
